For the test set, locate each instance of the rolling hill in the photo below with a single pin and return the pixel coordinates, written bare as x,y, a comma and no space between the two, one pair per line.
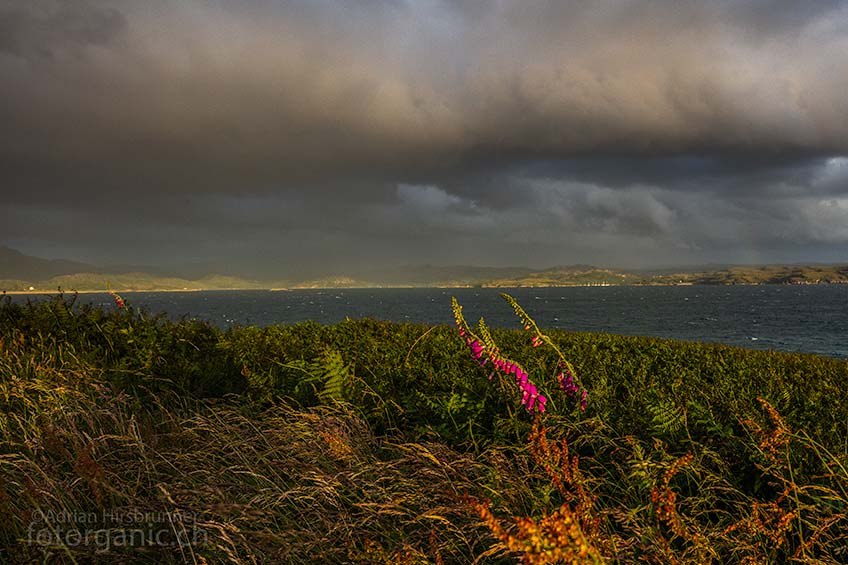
20,273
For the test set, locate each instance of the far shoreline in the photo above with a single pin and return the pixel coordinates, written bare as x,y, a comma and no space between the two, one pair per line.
105,291
389,287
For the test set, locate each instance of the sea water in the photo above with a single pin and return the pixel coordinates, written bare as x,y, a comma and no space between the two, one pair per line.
809,319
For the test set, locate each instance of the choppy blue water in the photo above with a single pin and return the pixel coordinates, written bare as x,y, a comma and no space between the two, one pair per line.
809,319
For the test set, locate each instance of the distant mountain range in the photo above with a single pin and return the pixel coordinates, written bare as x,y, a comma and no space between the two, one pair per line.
20,272
16,265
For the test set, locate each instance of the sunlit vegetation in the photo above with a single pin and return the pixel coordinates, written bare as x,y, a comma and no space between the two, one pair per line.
376,442
767,274
458,276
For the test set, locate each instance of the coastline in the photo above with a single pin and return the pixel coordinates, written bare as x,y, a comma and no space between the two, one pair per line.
401,286
107,291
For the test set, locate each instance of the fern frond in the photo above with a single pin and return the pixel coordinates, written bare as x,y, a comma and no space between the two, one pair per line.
666,415
335,374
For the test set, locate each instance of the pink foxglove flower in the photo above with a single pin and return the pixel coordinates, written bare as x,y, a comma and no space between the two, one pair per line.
484,350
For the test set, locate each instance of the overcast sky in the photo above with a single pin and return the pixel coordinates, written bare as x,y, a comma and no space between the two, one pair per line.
273,137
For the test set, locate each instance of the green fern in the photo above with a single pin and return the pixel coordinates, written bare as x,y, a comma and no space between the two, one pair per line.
702,416
640,465
445,406
428,400
666,415
331,369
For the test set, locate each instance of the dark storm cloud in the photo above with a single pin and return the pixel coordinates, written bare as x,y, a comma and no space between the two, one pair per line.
34,30
530,131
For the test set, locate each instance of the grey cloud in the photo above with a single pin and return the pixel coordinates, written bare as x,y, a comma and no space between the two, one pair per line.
578,130
330,90
556,221
56,29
